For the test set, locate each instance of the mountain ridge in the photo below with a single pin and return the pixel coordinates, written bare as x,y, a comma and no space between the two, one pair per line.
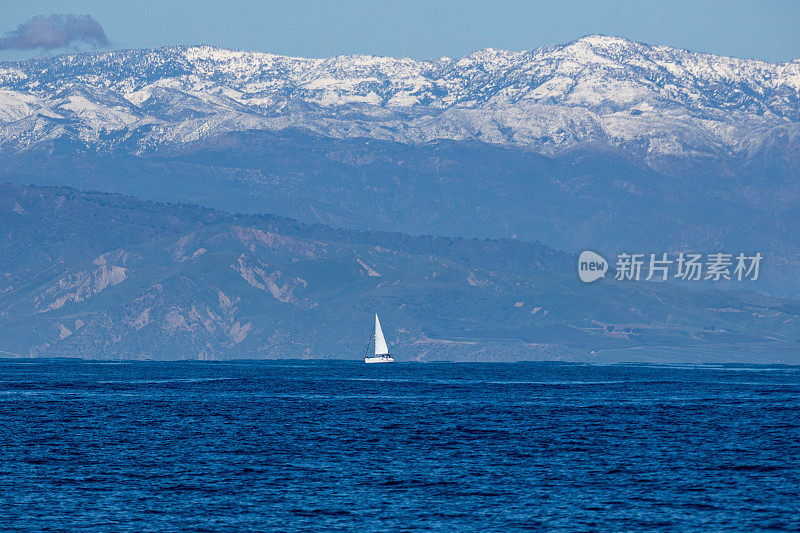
654,100
105,276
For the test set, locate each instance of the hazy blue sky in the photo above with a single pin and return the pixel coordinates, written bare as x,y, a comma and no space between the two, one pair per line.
765,29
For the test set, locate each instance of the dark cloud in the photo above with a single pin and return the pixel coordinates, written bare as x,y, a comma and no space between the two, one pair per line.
55,31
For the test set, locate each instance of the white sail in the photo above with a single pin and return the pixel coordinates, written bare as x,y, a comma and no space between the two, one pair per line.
380,342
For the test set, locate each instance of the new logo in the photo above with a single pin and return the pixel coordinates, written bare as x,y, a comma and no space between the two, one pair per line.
591,266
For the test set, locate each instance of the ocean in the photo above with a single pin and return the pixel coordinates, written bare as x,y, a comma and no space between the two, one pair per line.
338,445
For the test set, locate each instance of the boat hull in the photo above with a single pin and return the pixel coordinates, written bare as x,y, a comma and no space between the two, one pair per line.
379,359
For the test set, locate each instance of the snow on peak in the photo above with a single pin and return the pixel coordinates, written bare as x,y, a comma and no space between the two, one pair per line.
606,41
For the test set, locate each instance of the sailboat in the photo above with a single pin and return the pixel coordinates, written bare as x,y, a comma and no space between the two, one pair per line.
381,350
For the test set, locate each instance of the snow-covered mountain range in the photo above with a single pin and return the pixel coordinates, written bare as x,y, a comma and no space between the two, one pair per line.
652,100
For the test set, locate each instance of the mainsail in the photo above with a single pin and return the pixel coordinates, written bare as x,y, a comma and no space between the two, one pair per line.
380,342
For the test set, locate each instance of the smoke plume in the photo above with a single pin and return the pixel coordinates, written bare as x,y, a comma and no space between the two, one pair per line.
55,31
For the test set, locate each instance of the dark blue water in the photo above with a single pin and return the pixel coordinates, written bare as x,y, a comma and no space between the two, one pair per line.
443,447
